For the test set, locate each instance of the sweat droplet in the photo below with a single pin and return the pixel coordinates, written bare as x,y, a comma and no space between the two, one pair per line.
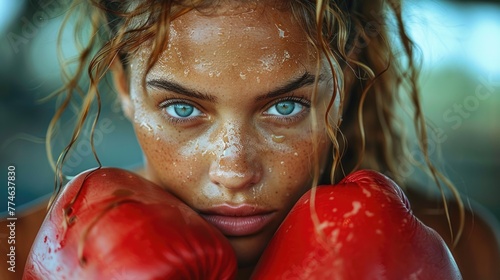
147,126
278,138
281,32
286,55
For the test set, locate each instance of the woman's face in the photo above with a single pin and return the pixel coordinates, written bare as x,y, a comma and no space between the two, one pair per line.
224,119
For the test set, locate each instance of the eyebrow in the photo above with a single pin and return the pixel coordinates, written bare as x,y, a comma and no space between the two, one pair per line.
175,87
305,80
302,81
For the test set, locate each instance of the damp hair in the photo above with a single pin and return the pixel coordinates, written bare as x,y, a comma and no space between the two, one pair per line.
367,40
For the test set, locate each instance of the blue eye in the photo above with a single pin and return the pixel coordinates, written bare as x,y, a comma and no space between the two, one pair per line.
182,110
285,108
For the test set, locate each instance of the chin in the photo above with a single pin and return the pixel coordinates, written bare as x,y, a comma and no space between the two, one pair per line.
248,249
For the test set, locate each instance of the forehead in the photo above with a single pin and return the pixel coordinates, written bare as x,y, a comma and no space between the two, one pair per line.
268,25
236,41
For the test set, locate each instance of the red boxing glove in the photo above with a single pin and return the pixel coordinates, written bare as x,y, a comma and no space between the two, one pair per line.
366,231
122,226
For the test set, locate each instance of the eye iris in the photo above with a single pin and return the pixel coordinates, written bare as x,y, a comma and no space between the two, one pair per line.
285,107
183,110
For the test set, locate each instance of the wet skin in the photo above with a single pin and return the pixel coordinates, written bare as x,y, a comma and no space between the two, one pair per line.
223,117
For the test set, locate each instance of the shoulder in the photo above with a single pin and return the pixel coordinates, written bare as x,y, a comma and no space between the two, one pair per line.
477,252
29,220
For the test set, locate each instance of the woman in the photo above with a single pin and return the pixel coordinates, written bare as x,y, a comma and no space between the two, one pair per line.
238,102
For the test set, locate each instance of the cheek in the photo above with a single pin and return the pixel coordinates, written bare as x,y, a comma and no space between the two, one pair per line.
290,170
165,165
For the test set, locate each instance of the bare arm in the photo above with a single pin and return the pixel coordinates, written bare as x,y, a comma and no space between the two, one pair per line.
26,227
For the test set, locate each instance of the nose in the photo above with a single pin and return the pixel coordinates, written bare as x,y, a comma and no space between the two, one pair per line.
235,165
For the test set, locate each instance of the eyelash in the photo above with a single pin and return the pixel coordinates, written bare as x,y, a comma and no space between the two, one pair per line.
163,106
288,119
306,103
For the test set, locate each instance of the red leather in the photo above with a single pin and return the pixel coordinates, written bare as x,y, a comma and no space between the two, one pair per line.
367,232
125,227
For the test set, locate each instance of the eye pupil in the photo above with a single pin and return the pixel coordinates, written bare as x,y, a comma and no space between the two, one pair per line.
183,110
285,107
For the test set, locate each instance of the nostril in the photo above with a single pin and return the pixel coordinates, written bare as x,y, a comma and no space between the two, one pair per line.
233,165
233,175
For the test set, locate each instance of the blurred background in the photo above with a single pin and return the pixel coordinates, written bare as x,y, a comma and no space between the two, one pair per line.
459,41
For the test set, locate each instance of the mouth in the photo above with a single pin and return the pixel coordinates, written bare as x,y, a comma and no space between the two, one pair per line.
241,220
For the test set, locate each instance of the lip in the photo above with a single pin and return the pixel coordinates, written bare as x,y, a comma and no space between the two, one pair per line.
240,220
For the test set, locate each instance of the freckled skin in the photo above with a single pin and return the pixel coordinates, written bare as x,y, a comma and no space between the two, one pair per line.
227,154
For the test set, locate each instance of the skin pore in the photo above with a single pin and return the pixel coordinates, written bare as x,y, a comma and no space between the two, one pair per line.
224,116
